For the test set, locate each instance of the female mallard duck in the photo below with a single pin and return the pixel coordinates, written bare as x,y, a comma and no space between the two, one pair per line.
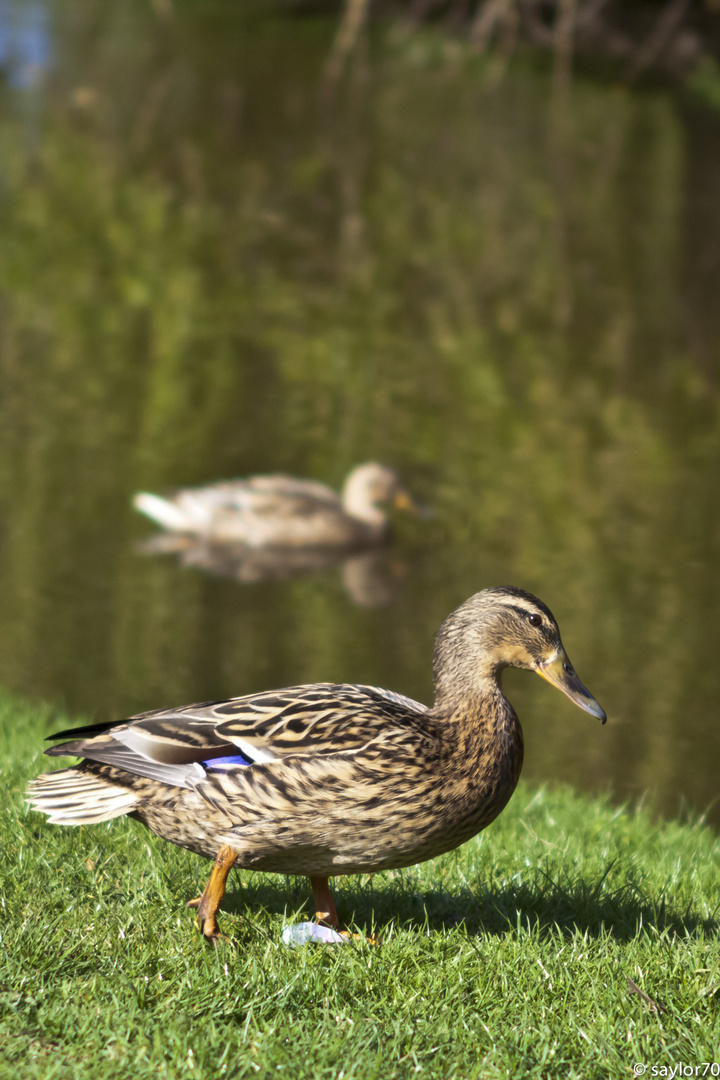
329,778
283,511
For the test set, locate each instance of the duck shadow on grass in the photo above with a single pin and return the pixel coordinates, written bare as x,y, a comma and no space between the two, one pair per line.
547,907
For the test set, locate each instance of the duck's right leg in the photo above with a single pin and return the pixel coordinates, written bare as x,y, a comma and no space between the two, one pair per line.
207,905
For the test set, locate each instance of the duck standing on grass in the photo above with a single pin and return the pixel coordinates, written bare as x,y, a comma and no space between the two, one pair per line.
330,778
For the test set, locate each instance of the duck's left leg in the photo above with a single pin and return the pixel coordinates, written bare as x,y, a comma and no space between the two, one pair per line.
324,907
207,905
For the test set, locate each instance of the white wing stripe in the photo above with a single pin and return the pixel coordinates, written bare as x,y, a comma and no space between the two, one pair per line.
254,753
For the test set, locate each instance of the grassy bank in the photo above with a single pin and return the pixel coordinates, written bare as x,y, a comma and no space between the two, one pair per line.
510,957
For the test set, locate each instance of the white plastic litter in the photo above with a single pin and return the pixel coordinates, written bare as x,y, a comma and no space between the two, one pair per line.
301,933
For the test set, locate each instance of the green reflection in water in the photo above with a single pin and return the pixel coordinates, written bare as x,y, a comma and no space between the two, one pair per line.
513,301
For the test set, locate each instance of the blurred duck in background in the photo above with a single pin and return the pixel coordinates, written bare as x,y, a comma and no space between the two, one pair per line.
283,512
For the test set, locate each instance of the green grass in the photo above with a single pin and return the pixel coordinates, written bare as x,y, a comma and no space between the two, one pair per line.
510,957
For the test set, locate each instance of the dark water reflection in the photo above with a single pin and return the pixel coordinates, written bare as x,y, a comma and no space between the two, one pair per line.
513,302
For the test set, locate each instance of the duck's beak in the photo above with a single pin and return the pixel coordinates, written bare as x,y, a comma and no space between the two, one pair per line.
560,672
402,501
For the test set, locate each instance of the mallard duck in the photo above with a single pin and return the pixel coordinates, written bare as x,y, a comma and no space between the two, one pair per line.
283,511
329,778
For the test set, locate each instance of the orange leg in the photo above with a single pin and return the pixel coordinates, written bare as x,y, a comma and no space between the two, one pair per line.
324,907
207,905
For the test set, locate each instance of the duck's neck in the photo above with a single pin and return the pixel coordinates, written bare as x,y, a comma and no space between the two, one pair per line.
484,744
458,674
486,709
479,707
357,503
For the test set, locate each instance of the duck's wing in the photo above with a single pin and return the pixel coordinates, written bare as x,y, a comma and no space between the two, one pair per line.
290,487
323,718
280,497
164,745
194,509
259,493
261,503
180,746
191,510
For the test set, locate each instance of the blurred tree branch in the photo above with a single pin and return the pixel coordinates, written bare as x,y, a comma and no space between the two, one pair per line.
666,25
352,21
667,37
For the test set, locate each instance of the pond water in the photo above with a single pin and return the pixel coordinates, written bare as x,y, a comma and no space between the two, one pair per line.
208,270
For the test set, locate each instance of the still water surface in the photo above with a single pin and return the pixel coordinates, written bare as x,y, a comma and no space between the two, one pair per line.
205,272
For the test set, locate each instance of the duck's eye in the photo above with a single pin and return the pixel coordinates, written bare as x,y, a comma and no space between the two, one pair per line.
534,619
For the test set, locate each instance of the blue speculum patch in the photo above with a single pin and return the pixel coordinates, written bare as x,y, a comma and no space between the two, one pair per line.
225,762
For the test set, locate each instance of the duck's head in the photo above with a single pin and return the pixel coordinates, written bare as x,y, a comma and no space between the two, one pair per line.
370,484
504,627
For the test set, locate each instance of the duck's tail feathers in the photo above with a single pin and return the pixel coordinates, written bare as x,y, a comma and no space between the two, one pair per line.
162,511
72,797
